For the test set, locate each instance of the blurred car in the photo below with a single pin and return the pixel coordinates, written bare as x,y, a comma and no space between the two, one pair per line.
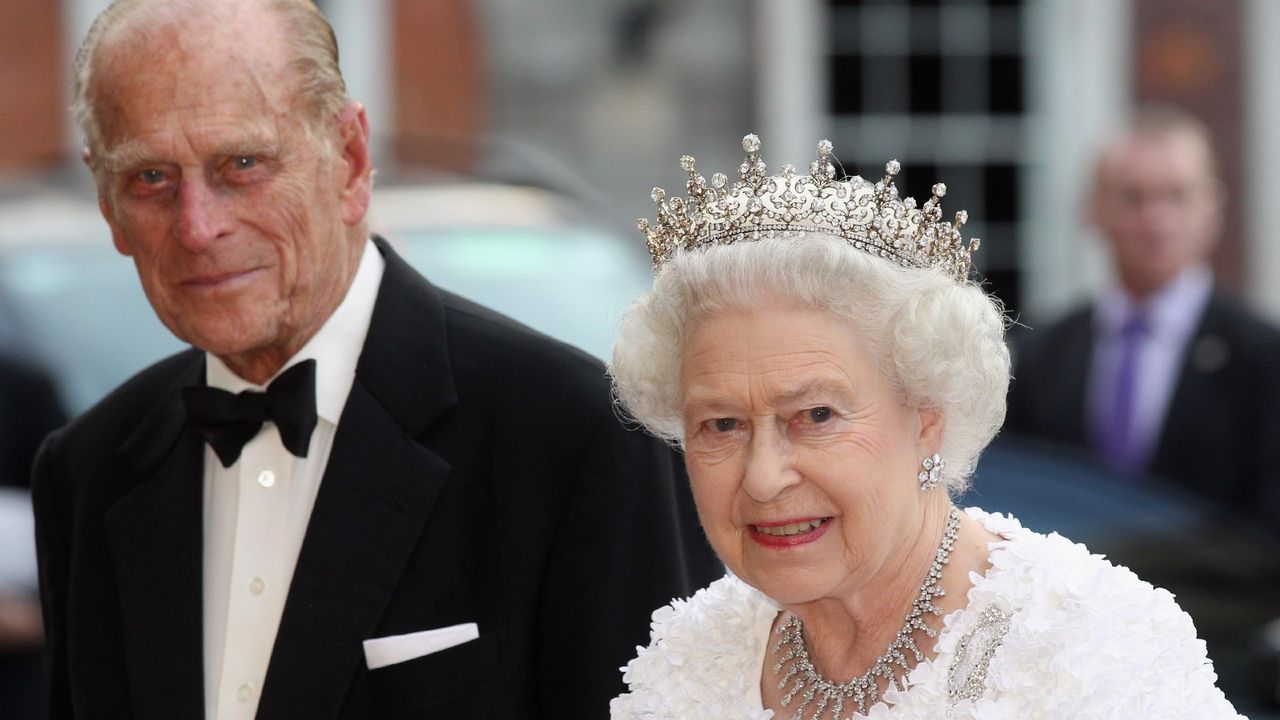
526,252
1223,569
70,302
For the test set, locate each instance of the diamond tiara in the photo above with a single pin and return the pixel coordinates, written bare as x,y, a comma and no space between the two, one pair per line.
870,217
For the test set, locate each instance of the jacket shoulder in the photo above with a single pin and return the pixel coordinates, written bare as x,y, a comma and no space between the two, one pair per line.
486,341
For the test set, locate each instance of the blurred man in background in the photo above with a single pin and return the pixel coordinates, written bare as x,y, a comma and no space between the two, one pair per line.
1162,374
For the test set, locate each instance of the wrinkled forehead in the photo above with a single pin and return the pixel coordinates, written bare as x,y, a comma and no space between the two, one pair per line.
185,57
184,26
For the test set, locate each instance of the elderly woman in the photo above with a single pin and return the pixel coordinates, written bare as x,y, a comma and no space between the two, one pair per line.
817,348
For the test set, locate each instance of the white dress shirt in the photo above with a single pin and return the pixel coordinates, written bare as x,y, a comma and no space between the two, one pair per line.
1173,313
256,511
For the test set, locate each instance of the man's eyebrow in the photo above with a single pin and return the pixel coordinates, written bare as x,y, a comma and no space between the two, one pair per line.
250,145
131,153
125,155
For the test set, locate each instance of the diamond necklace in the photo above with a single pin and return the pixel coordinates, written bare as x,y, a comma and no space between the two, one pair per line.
862,690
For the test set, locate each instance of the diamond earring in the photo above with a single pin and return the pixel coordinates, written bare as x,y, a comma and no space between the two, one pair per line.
931,475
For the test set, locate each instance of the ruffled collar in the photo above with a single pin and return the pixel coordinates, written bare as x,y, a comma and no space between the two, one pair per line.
1081,639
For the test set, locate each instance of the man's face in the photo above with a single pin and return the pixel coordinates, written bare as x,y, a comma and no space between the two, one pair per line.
240,221
1158,206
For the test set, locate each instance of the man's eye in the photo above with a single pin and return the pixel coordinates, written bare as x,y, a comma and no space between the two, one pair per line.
244,162
724,424
151,177
820,414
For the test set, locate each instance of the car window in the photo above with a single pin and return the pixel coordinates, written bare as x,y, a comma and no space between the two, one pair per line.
80,310
571,284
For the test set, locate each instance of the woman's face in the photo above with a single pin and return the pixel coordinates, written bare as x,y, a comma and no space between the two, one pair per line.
802,457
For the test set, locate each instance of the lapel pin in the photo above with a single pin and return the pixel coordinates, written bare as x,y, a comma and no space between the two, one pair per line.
1209,354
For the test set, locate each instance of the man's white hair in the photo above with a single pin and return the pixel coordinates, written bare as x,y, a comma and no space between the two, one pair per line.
940,343
313,56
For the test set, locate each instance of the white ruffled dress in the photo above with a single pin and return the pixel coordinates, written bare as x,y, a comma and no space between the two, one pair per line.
1049,632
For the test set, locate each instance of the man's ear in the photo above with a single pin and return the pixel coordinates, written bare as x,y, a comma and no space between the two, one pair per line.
353,130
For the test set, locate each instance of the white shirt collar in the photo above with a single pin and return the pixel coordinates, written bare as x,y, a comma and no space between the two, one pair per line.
335,348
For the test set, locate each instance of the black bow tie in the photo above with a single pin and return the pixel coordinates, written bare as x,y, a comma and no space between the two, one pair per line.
227,421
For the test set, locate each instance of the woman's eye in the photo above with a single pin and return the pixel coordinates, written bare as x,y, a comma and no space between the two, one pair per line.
820,414
724,424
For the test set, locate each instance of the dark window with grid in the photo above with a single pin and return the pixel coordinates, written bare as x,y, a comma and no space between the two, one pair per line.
940,87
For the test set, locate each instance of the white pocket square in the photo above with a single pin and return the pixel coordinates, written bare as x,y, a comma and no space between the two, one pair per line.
384,651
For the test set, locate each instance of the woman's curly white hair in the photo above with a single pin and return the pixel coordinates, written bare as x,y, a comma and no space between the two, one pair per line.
941,343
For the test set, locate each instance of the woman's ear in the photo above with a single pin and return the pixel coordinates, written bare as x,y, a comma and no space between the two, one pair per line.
932,424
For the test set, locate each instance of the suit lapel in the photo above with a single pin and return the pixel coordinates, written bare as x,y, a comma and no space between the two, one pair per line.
378,489
155,534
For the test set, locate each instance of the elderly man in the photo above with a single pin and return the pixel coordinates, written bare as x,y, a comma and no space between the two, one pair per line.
1161,374
359,496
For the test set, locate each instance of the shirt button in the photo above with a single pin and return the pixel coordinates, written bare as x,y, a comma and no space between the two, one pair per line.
266,478
257,585
244,693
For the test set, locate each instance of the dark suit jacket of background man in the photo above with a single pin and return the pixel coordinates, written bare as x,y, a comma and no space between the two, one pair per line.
1221,433
479,474
30,408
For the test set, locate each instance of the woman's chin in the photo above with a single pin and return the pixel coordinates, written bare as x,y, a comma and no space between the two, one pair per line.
791,588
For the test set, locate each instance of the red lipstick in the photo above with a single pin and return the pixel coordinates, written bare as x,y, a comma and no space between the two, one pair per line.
767,534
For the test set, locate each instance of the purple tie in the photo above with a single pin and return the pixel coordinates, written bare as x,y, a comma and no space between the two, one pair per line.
1115,441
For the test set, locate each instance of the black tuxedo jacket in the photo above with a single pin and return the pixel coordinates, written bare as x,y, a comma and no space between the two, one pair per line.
1222,428
479,474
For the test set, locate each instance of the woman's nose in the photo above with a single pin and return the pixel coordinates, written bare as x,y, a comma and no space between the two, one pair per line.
770,469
